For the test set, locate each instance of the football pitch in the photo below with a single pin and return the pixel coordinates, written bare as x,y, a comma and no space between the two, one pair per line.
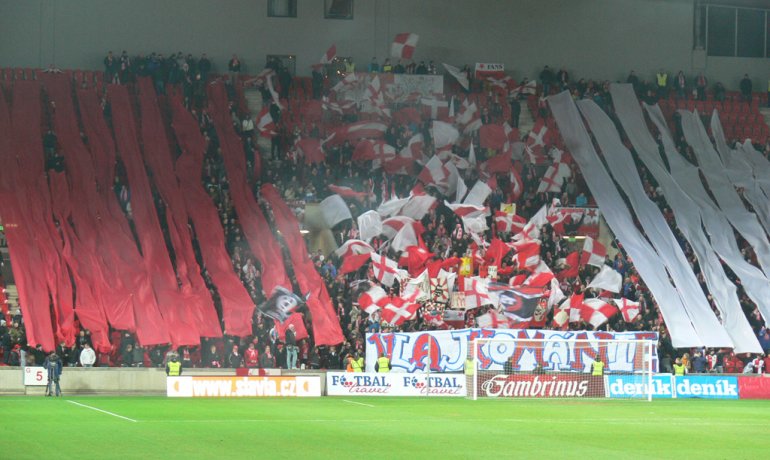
85,427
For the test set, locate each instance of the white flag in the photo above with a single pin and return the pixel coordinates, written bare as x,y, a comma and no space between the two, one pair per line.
607,279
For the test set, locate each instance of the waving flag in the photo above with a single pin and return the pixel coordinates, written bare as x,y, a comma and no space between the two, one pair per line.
468,118
354,247
369,225
607,279
384,269
476,292
334,210
404,45
509,223
492,137
434,108
518,303
329,56
554,177
594,253
311,149
398,309
458,74
628,308
265,123
596,311
347,192
370,300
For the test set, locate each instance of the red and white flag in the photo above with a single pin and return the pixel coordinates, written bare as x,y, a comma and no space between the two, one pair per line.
509,223
476,292
607,279
596,311
435,108
594,253
414,148
468,118
435,173
459,75
384,269
467,210
371,299
396,310
527,254
493,320
392,225
376,98
404,45
354,247
444,135
329,56
628,308
265,123
554,177
536,141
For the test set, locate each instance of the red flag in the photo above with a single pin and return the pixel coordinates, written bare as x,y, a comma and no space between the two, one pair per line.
352,263
492,137
594,253
596,311
573,267
296,319
311,149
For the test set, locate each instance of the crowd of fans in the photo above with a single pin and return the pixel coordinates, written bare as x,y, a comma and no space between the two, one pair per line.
300,183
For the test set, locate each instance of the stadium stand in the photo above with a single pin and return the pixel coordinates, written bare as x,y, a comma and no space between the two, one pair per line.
165,211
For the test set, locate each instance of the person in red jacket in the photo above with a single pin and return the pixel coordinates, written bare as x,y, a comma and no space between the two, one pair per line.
252,356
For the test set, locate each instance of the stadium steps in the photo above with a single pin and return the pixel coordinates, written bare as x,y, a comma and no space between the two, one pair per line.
254,102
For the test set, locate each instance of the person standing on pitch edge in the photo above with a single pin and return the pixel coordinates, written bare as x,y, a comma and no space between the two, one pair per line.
53,365
174,367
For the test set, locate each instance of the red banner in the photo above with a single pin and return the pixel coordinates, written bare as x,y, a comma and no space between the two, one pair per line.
754,387
541,386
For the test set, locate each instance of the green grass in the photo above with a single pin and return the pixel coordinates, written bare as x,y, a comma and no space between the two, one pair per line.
391,428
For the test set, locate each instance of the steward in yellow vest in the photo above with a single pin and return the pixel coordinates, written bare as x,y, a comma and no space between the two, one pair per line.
469,367
679,368
382,364
357,364
597,368
174,367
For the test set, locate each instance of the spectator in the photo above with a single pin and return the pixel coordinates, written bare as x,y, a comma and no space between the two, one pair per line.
252,356
719,92
291,347
699,363
267,360
204,67
87,356
701,83
746,87
374,67
235,359
546,80
234,67
661,79
680,85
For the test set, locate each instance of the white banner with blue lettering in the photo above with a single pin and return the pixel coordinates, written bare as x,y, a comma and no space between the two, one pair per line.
446,351
394,384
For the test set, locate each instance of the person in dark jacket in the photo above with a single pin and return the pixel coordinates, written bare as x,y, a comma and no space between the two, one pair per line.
235,359
746,88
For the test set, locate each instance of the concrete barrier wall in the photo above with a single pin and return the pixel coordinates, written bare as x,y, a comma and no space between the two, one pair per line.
115,380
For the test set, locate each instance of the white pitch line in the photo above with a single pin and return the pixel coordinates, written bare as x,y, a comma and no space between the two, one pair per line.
100,410
360,404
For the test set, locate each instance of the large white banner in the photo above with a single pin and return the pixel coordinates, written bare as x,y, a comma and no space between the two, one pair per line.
394,384
446,351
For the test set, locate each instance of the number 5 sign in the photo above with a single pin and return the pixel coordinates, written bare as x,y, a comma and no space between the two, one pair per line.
35,376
